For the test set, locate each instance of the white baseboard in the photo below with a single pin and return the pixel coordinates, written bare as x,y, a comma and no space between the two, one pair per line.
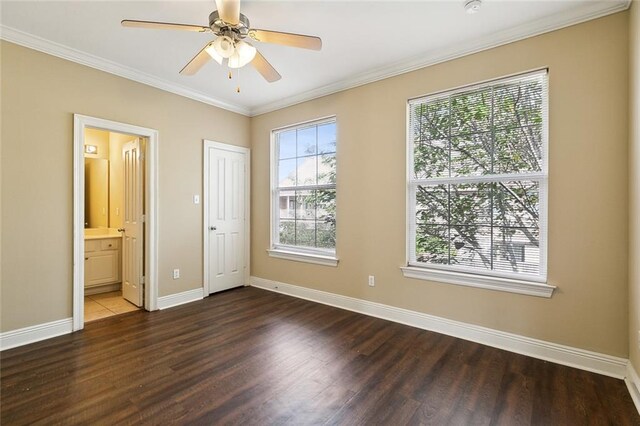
633,384
88,291
35,333
172,300
553,352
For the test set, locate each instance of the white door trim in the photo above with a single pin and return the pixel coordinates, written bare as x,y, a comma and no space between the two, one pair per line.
207,144
80,123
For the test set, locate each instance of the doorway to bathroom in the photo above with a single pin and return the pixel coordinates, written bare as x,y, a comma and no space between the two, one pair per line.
114,219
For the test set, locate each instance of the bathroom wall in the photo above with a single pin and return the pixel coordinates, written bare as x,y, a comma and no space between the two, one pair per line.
100,139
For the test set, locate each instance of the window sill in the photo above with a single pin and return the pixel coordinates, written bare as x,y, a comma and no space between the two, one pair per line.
304,257
480,281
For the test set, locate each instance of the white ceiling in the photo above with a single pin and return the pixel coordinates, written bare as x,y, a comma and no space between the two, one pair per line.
363,41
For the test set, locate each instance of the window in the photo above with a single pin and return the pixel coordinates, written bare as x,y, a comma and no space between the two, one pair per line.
477,185
304,192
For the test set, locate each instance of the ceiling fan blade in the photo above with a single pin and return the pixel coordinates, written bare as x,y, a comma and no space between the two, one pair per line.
265,68
164,26
197,62
229,11
287,39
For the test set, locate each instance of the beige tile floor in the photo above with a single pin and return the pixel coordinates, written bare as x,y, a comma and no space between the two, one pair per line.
97,306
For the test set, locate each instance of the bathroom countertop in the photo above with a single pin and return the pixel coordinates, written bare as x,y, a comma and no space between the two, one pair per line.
101,233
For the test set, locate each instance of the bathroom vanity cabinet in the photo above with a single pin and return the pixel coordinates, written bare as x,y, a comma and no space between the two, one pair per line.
102,262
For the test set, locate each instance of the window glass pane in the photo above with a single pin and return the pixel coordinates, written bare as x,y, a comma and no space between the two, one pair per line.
326,169
470,204
287,144
326,234
327,138
431,159
517,204
433,120
516,249
432,243
471,246
430,130
518,149
306,233
432,204
518,104
287,232
307,141
305,205
471,112
471,154
307,171
306,218
287,204
326,205
287,173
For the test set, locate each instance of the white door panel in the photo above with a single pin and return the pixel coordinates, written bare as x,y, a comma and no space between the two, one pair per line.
226,218
132,250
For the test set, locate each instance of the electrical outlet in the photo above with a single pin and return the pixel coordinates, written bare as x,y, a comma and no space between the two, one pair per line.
176,274
372,281
196,199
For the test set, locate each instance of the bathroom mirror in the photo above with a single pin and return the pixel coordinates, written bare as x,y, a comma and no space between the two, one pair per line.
96,193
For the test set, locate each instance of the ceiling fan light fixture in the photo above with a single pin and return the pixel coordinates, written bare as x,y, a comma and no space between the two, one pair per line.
214,54
224,46
243,54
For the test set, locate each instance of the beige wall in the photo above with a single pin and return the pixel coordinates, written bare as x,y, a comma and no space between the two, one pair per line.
40,94
634,186
588,201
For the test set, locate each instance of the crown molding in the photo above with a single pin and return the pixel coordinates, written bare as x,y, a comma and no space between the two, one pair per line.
61,51
540,26
571,17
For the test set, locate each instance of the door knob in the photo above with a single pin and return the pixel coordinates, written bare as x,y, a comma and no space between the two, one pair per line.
213,228
120,229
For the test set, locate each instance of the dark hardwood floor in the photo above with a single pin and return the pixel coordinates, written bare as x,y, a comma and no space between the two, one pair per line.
249,356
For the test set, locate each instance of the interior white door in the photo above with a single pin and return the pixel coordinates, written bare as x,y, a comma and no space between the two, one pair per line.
132,245
226,218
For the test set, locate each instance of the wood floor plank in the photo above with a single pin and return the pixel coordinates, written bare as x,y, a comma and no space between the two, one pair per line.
253,357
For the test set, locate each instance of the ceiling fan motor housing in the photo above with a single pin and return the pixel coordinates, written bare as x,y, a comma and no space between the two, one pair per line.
219,27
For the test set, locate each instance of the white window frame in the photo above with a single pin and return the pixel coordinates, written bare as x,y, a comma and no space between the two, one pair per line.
529,284
318,256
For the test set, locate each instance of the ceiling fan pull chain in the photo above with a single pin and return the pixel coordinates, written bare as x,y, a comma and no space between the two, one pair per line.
229,74
238,78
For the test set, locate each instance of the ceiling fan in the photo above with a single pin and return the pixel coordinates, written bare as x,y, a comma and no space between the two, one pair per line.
231,28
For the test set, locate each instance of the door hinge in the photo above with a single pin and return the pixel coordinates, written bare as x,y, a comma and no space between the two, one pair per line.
143,218
142,280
